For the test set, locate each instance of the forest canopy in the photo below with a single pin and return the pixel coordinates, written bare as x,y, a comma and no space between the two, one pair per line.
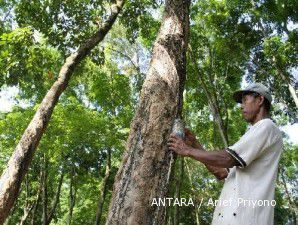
70,179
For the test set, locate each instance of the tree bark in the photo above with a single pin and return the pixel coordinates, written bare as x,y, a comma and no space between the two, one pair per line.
146,166
103,190
19,162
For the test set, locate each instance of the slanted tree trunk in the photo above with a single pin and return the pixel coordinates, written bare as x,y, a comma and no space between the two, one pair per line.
28,206
55,202
20,160
37,200
286,79
280,72
293,93
103,189
146,166
35,210
212,100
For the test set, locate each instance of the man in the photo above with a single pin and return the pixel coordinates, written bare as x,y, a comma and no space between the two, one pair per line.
247,197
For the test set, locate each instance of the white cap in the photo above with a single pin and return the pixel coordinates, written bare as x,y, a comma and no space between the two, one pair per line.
254,87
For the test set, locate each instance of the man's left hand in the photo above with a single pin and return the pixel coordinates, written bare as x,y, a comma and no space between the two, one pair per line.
178,145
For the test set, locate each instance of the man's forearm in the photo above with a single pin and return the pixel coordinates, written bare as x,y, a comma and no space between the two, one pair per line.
220,158
219,173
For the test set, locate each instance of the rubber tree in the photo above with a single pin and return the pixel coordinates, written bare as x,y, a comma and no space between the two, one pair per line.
19,162
147,162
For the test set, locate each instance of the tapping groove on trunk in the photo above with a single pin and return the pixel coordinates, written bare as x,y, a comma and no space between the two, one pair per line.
147,161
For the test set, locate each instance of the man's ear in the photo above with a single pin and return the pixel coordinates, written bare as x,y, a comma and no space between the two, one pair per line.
262,99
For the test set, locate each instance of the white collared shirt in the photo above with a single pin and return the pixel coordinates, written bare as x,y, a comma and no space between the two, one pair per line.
249,188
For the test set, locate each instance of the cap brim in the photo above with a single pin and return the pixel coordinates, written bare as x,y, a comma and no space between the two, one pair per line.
237,96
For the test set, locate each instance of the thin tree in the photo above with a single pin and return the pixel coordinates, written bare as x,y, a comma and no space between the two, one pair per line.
103,188
212,100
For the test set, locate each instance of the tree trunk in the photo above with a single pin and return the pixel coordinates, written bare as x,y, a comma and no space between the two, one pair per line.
178,191
103,190
34,211
29,208
197,210
293,93
56,200
286,80
292,205
37,200
219,121
212,100
72,197
44,191
146,166
19,162
279,70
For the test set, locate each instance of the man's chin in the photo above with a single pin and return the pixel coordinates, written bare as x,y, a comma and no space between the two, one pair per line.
246,119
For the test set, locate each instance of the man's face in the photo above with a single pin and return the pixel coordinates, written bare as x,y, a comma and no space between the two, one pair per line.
250,107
